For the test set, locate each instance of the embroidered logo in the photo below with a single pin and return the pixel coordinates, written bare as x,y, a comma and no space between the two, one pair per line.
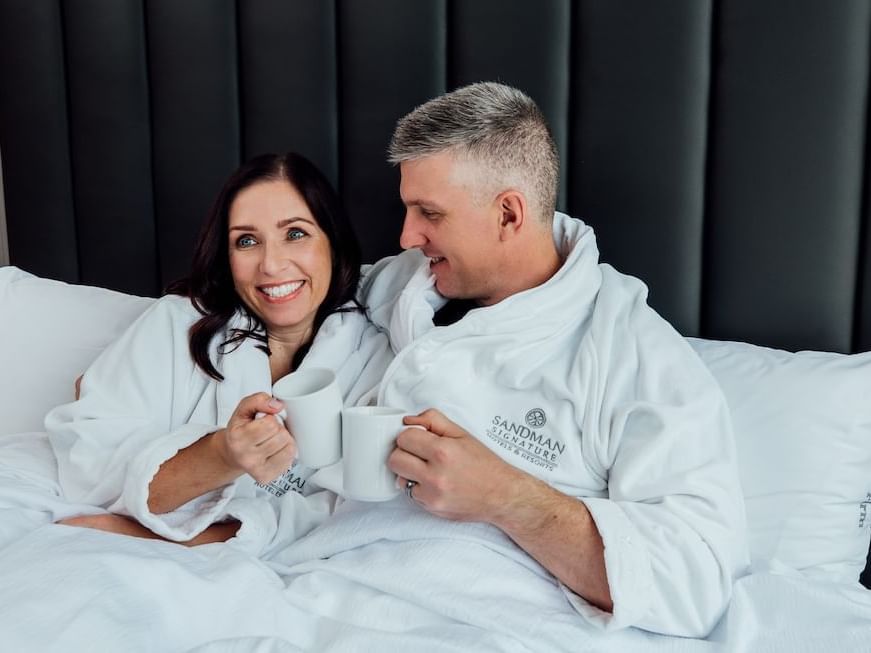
536,418
863,510
285,482
531,444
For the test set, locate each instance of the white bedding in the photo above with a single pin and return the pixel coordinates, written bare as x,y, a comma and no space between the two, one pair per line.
373,578
70,589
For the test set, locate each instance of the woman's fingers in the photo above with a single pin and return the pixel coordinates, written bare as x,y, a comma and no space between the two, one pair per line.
282,460
273,458
260,402
277,441
261,430
258,440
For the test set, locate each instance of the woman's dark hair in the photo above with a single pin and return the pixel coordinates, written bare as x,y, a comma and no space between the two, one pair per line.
210,283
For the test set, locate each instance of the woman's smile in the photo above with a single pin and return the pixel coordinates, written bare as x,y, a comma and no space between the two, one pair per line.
282,292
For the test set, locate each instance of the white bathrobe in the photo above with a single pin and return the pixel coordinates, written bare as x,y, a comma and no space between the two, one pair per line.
581,384
144,399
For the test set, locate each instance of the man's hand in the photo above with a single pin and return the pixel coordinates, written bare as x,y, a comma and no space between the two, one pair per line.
457,476
254,441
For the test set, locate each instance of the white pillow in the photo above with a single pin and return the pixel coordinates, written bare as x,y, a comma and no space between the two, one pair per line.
803,434
50,332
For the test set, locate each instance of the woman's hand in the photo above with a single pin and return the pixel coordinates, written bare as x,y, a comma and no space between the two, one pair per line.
259,446
256,442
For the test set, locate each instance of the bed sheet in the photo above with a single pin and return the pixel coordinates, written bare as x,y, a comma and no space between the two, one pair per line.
341,589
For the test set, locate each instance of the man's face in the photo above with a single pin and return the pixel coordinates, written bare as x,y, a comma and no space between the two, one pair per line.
459,234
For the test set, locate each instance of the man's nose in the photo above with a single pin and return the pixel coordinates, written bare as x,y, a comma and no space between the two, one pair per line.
411,235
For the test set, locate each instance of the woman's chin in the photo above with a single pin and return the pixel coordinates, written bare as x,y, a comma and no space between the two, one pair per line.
286,320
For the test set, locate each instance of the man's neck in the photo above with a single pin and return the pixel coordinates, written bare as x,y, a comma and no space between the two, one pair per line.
527,267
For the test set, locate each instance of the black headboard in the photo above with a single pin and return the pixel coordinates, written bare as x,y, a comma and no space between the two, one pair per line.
718,147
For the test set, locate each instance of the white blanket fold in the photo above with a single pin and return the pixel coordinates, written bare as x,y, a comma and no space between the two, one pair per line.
67,589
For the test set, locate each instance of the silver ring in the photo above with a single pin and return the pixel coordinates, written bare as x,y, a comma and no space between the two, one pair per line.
409,488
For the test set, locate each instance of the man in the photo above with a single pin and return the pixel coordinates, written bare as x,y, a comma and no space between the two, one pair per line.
555,404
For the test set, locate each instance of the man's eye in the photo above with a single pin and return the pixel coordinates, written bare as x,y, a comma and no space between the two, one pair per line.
295,234
429,215
245,241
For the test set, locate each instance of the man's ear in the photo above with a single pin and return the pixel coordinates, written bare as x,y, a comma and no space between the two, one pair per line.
513,213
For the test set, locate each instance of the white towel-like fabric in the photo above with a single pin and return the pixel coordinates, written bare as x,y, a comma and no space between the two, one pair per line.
417,588
144,399
580,383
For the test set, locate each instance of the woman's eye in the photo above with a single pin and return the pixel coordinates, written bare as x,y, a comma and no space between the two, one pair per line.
245,241
295,234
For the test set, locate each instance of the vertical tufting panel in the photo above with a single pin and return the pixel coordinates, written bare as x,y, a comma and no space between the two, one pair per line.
740,174
195,118
786,167
640,79
34,140
862,308
111,144
523,44
392,58
288,85
862,332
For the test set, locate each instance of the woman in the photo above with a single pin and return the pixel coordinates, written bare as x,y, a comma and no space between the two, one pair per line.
173,433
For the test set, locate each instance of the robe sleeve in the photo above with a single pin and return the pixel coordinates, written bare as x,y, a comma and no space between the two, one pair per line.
133,416
673,524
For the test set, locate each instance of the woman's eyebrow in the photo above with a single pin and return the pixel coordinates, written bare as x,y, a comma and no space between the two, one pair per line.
287,221
279,224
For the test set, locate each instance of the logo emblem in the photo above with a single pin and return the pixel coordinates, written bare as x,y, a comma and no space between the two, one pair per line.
536,418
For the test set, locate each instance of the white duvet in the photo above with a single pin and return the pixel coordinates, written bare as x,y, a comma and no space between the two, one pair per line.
376,577
69,589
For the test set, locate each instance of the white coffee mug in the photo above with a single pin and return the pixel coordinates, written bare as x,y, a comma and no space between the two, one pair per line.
313,414
368,436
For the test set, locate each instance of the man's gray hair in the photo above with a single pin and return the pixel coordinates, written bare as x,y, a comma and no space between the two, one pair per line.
497,128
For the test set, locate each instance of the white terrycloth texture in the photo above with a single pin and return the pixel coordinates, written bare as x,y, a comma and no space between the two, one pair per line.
144,399
71,590
580,383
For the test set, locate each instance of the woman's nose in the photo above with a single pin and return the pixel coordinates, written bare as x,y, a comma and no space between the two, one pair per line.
274,260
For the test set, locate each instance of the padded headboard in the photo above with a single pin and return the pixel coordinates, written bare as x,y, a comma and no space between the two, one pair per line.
719,148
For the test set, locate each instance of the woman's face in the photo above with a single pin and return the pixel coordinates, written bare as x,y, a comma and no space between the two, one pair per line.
280,258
